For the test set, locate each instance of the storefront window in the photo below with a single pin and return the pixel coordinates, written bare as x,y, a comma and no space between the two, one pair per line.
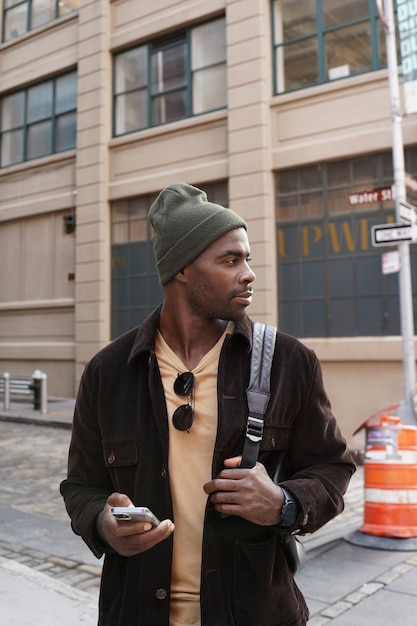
330,279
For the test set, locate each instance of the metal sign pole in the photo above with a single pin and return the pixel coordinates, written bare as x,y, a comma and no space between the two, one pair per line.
406,412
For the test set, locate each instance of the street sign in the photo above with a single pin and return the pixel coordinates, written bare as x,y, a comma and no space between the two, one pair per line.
386,234
391,262
381,194
410,182
408,212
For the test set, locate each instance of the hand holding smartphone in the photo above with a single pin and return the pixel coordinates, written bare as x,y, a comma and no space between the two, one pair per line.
135,514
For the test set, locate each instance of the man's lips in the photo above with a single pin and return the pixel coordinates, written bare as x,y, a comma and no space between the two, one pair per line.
245,296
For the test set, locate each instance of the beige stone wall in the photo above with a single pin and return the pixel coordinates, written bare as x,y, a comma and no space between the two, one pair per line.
92,315
37,257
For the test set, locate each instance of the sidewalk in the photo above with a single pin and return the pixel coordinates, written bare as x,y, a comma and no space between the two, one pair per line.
344,583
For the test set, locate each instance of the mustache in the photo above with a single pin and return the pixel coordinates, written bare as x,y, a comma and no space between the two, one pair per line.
242,292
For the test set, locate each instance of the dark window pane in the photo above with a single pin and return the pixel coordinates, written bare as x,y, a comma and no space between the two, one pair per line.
131,69
209,89
294,19
314,318
393,316
65,132
39,102
137,291
155,291
339,12
43,11
290,279
341,277
120,323
342,315
290,318
208,44
12,148
312,244
137,256
297,65
370,316
369,275
172,106
289,245
131,112
12,111
314,279
168,67
39,139
348,51
66,93
15,22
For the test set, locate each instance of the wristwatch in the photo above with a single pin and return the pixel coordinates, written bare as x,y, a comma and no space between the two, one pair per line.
289,511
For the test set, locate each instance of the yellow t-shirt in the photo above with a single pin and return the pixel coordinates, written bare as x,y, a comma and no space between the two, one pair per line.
190,464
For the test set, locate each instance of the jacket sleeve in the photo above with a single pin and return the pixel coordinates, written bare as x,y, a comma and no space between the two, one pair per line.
88,484
319,462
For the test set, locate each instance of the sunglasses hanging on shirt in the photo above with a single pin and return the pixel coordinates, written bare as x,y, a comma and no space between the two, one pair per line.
183,416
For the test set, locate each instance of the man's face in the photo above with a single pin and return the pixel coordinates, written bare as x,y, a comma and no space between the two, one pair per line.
219,285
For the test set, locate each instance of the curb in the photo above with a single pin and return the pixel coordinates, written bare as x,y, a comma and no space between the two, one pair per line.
38,421
47,582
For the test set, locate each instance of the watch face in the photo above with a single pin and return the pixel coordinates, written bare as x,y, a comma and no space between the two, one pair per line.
289,513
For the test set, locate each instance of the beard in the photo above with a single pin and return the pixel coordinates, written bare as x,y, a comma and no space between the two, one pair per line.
203,302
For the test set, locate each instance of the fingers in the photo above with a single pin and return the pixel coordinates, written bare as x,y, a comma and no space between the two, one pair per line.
233,462
126,537
247,493
119,499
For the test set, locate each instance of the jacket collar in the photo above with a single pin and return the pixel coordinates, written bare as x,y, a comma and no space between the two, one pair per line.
145,334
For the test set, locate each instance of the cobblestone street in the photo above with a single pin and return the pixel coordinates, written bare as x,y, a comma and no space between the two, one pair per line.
34,460
33,463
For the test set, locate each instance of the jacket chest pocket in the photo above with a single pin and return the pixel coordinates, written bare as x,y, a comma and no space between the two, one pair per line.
121,458
120,452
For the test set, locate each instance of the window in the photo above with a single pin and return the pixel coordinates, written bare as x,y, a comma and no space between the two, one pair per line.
39,120
330,279
135,283
171,78
20,16
316,41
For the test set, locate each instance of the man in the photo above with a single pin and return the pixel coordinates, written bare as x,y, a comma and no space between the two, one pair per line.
160,421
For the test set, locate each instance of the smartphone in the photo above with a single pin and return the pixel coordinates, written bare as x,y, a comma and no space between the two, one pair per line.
134,514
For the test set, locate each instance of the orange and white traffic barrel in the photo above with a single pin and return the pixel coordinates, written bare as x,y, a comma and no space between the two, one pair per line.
390,475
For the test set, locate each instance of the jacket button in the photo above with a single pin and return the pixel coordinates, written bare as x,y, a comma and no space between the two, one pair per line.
161,594
163,473
111,459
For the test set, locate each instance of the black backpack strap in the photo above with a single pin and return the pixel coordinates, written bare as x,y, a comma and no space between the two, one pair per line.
263,346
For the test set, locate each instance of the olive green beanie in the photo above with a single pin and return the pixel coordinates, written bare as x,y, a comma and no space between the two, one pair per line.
185,224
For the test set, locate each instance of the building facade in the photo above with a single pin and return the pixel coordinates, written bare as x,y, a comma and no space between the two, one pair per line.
279,109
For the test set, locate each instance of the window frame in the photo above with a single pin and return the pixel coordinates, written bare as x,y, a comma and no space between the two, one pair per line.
25,125
57,14
314,249
185,36
377,56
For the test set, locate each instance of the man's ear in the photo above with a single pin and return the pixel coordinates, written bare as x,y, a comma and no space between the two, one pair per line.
180,275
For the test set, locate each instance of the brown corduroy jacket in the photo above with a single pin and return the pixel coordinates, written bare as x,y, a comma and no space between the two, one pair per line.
120,443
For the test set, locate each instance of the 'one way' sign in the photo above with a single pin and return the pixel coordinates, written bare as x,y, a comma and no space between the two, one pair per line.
386,234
